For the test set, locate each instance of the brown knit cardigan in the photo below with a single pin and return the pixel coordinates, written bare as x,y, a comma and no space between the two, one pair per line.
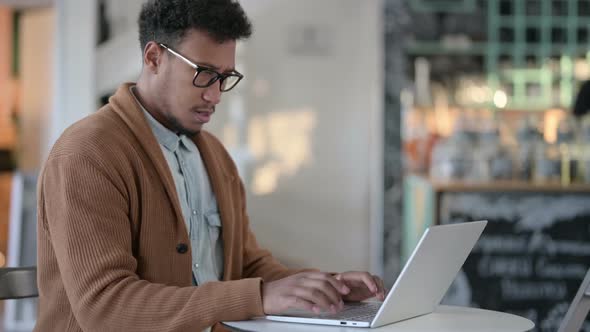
113,249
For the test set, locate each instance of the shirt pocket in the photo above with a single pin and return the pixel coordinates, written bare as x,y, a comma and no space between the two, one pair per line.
214,225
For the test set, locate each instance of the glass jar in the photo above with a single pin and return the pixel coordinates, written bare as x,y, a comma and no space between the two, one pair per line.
584,151
568,149
452,158
528,138
547,163
493,160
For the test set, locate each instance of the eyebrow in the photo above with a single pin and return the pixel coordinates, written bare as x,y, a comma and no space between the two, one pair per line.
208,65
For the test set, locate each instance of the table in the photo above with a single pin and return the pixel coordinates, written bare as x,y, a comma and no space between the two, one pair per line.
444,318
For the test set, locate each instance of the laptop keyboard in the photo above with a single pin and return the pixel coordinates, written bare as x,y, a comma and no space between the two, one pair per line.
359,312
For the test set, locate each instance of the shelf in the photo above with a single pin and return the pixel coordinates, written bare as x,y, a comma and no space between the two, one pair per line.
442,48
443,6
509,186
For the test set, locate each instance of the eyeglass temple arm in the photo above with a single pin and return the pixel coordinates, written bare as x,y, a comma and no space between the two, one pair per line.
189,62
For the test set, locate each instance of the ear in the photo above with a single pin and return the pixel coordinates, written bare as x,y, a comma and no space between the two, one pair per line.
152,56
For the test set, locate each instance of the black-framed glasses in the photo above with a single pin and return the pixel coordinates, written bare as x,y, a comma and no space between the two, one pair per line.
205,76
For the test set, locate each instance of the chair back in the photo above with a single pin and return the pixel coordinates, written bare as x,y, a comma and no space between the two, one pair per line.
18,282
578,310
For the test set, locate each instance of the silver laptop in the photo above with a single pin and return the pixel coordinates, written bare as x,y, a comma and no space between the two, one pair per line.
418,290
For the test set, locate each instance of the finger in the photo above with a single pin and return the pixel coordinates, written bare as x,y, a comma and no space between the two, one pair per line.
318,298
381,288
365,277
337,284
353,284
379,284
328,289
315,296
302,304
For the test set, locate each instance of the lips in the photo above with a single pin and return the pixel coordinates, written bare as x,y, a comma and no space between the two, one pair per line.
203,115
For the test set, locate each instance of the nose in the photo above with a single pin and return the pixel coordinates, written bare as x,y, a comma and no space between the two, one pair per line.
212,94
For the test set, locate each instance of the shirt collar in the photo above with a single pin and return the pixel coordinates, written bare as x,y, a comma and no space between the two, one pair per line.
165,136
189,144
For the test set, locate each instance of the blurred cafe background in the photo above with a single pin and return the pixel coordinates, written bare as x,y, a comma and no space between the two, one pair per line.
359,124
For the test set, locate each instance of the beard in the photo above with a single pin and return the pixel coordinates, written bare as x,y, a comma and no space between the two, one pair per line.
178,128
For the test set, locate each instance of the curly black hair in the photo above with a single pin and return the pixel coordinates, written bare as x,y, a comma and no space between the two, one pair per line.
166,21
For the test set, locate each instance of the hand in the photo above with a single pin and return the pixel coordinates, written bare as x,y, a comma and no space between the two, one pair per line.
362,286
312,291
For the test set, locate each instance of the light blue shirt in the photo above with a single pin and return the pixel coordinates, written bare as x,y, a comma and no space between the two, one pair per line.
197,200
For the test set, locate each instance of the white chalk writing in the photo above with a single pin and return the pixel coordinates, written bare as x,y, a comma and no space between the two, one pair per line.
546,269
537,243
533,290
568,247
530,213
489,266
501,244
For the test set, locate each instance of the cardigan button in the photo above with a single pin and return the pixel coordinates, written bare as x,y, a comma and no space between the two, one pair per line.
181,248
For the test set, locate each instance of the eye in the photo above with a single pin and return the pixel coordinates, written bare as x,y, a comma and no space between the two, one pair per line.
205,77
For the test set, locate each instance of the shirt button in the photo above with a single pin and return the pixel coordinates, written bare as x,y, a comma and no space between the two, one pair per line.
196,266
194,212
181,248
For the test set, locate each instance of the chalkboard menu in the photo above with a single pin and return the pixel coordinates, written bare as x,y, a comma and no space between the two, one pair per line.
531,258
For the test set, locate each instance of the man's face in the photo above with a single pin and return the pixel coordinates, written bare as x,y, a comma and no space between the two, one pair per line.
183,107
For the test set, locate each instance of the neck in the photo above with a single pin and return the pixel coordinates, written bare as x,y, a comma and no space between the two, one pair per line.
141,91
